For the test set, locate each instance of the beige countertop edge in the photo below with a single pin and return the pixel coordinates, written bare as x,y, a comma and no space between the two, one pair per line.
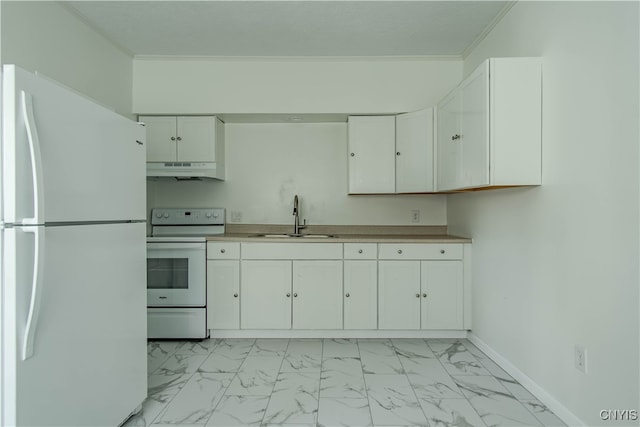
344,238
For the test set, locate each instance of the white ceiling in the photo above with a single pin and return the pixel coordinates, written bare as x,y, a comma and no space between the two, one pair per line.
292,28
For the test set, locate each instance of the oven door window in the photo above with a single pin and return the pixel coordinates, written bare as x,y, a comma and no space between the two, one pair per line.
176,275
168,273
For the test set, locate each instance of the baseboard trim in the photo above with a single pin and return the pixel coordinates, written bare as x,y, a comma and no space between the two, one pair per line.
330,333
540,393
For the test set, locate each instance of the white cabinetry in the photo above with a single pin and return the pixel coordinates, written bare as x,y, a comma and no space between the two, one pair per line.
291,285
489,129
360,286
421,286
185,139
223,285
391,154
372,141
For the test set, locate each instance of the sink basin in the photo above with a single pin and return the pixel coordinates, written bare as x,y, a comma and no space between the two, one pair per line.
288,236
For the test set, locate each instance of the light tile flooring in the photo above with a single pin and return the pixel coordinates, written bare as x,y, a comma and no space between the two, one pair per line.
333,382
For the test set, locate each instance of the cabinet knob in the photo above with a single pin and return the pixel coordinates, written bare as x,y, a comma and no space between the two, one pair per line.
442,251
235,295
179,138
417,295
222,251
359,251
173,138
397,153
295,295
353,154
455,137
288,295
424,295
399,251
347,295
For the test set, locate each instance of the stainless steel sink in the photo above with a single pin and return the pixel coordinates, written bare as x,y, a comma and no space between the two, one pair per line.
289,236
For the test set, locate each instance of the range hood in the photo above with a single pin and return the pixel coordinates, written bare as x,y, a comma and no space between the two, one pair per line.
185,170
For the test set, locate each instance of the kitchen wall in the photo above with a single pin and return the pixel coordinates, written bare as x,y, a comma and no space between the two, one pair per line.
557,265
267,164
44,36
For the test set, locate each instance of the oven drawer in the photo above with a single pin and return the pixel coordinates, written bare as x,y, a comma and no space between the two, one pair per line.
177,323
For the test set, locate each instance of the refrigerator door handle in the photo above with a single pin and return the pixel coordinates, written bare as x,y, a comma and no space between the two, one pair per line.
36,160
36,290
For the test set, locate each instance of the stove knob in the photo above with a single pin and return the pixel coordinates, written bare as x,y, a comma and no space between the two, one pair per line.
166,215
158,214
209,214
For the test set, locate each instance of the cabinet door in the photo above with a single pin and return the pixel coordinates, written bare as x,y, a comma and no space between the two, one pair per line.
266,294
414,152
196,139
317,292
474,128
223,294
360,295
448,143
161,138
399,295
442,299
372,154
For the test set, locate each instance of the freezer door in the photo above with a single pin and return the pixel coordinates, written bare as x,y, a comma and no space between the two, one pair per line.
66,158
87,364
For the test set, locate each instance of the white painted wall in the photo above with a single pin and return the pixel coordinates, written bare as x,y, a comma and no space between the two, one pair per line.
557,265
293,85
267,164
44,36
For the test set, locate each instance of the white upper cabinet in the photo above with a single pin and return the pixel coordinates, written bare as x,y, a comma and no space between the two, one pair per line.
414,152
489,129
372,147
391,154
183,138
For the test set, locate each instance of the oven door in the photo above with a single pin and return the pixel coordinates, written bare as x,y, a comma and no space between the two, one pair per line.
176,274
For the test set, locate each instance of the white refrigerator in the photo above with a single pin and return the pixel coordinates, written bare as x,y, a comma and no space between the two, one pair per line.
73,258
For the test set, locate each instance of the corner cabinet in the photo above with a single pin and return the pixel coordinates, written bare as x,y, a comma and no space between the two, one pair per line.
186,139
391,154
489,129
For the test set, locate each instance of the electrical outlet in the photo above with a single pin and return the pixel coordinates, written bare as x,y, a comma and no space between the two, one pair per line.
580,358
236,216
415,216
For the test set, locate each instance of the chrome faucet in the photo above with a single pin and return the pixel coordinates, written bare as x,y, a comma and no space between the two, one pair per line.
296,217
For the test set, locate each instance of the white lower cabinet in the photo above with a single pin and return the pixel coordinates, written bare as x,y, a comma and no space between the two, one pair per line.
417,293
360,294
317,294
266,294
223,294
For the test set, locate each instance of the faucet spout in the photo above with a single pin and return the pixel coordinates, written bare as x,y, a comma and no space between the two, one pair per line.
296,217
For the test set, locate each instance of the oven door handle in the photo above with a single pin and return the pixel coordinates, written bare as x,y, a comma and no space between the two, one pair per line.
177,245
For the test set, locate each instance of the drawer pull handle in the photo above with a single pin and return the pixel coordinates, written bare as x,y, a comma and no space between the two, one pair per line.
347,295
424,295
288,295
359,251
222,251
442,251
235,295
295,295
399,251
417,295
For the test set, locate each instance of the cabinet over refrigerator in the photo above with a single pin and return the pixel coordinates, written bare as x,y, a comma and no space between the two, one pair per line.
73,258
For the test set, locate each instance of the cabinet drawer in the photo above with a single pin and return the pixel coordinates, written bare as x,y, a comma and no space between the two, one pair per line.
420,251
223,250
292,251
360,250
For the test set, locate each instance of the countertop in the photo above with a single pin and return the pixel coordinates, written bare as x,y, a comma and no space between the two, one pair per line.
343,234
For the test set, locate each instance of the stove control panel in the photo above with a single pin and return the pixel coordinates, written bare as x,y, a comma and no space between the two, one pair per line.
195,216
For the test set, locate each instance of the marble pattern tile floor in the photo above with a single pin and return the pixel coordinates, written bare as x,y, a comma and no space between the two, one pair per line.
332,382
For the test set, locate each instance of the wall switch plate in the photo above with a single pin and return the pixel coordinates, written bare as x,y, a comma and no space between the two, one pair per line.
415,216
236,216
580,358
